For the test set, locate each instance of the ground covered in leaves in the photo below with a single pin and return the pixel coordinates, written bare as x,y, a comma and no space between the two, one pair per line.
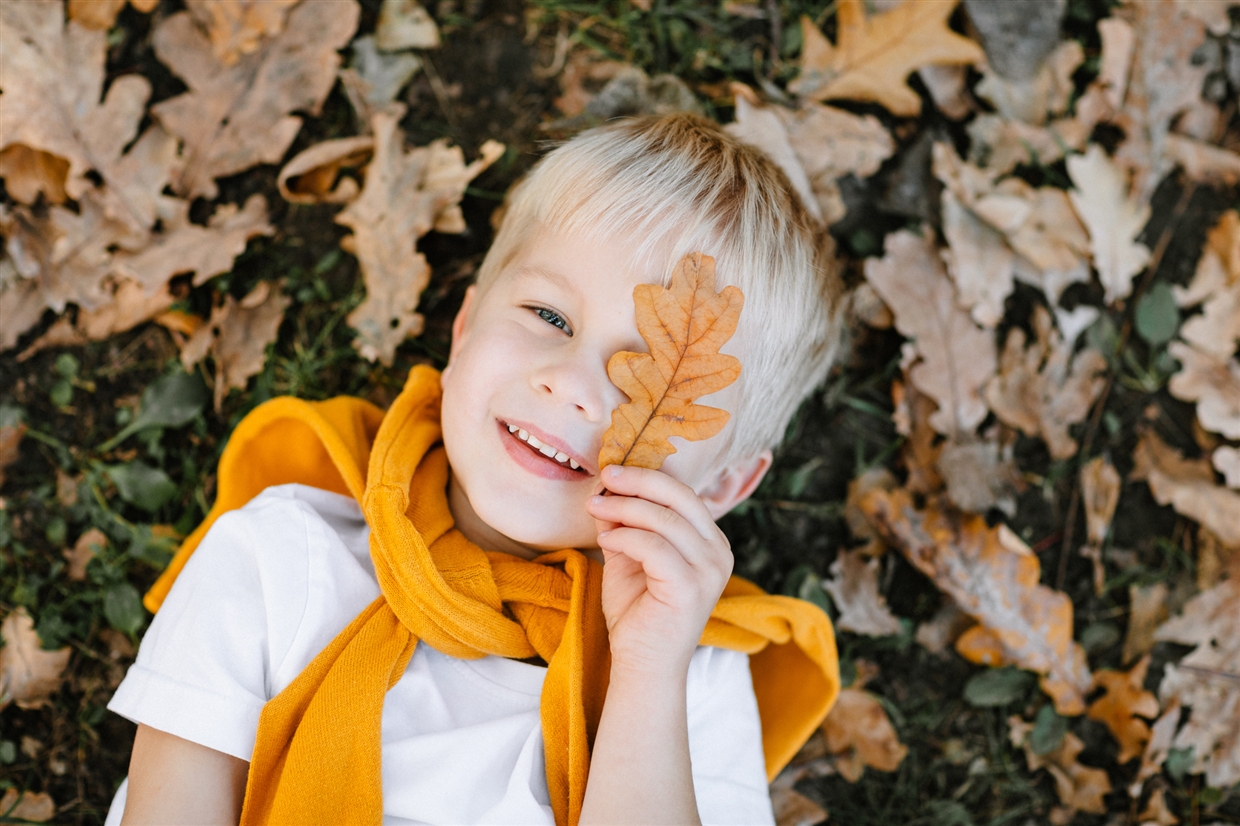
1017,494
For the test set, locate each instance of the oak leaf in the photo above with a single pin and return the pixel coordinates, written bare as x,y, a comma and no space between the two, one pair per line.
406,195
30,807
1047,91
684,324
1123,705
238,27
1114,220
1044,389
83,551
1188,486
234,117
1080,787
101,14
993,576
1207,681
1147,608
854,591
875,56
1226,460
28,674
957,358
859,732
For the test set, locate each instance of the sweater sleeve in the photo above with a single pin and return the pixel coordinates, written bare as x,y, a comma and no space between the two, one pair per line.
207,662
725,740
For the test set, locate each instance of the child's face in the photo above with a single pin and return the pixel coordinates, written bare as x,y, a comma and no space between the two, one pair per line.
515,365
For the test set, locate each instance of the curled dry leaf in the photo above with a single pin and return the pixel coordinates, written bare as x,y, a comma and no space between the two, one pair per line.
993,576
1081,788
1043,389
875,55
28,674
237,335
684,325
236,116
1207,681
313,176
859,732
1188,486
854,590
1100,484
956,357
83,551
1123,705
406,194
33,807
1114,220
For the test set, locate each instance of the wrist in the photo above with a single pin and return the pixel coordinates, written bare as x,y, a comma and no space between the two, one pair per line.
647,676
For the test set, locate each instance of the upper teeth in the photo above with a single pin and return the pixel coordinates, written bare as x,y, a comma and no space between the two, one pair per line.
546,450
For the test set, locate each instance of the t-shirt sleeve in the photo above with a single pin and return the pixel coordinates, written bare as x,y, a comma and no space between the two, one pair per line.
725,740
205,666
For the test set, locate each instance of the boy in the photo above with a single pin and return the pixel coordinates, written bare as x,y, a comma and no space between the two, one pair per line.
287,638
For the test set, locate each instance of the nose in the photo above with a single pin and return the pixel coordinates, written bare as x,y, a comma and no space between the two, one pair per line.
580,381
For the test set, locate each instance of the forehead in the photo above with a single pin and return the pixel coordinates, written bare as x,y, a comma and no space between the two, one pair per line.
580,261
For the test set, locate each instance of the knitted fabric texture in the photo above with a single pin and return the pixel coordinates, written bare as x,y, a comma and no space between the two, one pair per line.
318,749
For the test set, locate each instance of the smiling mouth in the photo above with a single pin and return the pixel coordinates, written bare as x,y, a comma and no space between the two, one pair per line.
544,451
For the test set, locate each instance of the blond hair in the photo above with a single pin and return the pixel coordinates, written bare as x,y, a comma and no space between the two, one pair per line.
678,184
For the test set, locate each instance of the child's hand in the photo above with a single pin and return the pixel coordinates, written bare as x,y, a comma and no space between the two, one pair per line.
666,565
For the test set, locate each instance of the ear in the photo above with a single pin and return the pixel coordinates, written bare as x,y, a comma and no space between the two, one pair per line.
460,327
735,485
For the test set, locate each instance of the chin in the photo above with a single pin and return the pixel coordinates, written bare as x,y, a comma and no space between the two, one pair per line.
541,538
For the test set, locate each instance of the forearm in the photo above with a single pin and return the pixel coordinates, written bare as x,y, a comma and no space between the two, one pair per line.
639,768
175,781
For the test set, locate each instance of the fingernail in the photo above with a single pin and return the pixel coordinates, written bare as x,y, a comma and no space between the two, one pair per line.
613,470
596,500
603,534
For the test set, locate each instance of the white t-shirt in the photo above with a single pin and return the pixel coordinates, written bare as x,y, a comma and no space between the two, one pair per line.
276,581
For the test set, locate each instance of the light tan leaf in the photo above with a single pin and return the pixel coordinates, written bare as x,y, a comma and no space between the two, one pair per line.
234,117
993,576
1216,14
875,56
237,335
66,488
10,445
1226,460
1188,486
854,590
1216,286
979,260
238,27
944,628
684,325
947,87
374,78
83,551
28,674
406,194
28,172
860,734
1080,788
1000,144
1118,42
1043,389
980,473
1100,484
404,24
313,175
1113,219
1213,384
858,525
762,127
101,14
129,306
1156,812
1031,99
1207,681
956,357
1162,735
35,807
1202,162
792,808
21,302
1123,705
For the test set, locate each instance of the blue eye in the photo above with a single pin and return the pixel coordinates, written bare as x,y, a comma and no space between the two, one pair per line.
553,318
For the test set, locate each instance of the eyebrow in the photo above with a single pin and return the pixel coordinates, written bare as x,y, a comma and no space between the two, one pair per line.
551,276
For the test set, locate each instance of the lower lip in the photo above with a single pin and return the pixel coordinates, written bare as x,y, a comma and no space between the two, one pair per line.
535,462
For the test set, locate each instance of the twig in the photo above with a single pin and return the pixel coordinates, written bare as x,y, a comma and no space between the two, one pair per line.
1210,672
441,93
1160,249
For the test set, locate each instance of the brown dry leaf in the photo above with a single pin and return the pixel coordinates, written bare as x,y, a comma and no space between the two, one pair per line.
956,357
1216,286
313,176
921,449
129,307
1031,99
854,590
860,734
1207,681
35,807
1162,735
1114,220
28,674
374,78
944,628
980,261
947,86
875,56
1043,389
980,473
684,325
1216,14
1001,144
1156,812
858,525
1081,788
83,551
27,172
1212,383
404,24
234,117
21,303
1164,81
792,808
1122,706
406,194
1202,162
993,576
237,335
1188,486
101,14
67,488
584,68
1147,608
1100,484
1226,460
10,445
238,27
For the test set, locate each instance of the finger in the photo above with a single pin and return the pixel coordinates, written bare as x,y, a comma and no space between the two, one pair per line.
635,512
660,562
660,488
